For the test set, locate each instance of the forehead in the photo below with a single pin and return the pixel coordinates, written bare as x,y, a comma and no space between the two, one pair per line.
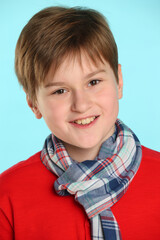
75,62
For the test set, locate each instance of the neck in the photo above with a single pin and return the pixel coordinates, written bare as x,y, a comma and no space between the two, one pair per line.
82,154
79,154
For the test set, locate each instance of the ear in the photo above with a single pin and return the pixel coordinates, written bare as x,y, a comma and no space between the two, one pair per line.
120,83
33,107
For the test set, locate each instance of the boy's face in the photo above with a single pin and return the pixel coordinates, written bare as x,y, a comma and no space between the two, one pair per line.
79,103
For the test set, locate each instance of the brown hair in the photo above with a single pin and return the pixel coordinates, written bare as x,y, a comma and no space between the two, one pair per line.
56,32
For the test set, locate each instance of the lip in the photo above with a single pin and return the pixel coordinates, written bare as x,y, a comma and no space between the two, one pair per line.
86,125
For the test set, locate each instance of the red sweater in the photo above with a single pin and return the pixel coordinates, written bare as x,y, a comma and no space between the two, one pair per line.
30,209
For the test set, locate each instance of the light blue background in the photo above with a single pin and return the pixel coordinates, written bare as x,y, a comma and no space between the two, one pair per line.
136,27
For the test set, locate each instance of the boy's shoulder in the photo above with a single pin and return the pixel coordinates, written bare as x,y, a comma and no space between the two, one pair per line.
150,165
148,154
22,173
21,166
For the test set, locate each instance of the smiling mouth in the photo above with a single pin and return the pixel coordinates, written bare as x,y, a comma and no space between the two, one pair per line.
85,121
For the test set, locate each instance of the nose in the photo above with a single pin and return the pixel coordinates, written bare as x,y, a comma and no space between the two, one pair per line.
81,101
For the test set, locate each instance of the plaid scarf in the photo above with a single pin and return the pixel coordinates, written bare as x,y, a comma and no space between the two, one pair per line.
97,184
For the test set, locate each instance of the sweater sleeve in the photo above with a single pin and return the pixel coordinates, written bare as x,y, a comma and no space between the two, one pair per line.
6,213
6,231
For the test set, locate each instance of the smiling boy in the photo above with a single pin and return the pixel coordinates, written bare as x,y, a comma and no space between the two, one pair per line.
67,62
79,103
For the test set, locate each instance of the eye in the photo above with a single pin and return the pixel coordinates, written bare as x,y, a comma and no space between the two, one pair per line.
94,82
60,91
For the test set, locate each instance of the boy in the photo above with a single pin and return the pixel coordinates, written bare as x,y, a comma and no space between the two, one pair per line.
67,62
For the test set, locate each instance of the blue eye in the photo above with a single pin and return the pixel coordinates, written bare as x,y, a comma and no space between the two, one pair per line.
94,82
60,91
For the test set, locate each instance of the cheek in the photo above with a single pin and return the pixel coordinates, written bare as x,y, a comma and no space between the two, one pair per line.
54,112
108,99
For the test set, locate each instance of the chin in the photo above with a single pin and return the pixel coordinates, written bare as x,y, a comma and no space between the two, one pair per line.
88,144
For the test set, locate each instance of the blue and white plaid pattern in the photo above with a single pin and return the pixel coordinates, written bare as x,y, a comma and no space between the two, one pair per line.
97,184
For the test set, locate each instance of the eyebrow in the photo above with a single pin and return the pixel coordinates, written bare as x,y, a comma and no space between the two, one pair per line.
51,84
94,73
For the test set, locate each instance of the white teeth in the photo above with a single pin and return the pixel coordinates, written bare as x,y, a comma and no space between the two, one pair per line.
79,121
85,121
